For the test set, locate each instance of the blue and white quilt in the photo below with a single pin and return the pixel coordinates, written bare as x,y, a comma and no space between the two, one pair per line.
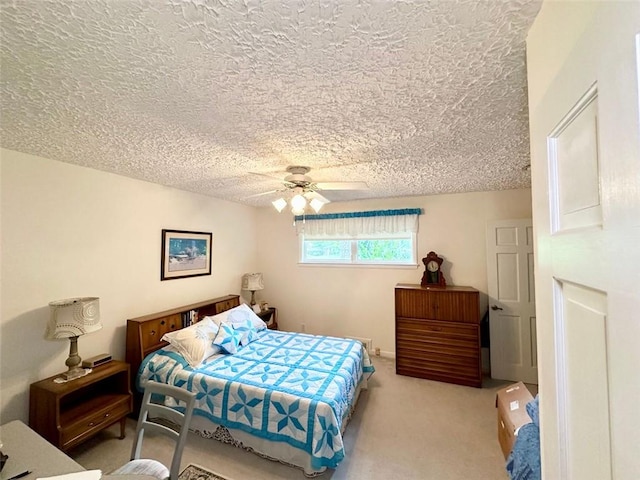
283,387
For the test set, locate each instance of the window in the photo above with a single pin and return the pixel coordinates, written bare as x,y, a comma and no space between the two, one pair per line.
385,237
369,250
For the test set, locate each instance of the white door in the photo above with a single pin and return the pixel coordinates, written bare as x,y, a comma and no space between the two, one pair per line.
512,318
583,60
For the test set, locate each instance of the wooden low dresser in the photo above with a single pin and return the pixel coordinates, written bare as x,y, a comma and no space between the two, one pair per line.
68,413
438,333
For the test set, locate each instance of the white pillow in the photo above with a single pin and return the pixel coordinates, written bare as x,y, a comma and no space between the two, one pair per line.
238,315
195,343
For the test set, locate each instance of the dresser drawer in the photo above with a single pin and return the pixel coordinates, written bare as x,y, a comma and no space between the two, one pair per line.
450,304
435,350
433,332
464,373
461,365
92,416
466,357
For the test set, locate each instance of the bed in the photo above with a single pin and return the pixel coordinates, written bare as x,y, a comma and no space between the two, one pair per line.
285,396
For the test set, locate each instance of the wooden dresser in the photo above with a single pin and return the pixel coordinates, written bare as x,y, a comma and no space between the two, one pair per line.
438,333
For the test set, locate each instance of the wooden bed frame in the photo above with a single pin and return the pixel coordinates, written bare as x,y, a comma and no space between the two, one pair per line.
144,333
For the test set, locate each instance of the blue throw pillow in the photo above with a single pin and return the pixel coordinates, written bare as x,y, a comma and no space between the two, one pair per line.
248,331
228,338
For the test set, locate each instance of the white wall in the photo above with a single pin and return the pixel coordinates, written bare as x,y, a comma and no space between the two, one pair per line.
359,301
69,231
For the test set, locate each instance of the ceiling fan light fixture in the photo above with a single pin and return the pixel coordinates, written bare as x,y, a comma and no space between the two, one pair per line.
297,211
298,202
302,191
279,204
316,204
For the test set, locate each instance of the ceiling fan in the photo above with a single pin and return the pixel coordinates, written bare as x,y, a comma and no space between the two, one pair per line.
303,190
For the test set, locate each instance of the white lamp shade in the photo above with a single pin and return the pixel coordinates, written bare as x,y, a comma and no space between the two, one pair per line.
297,211
298,202
279,204
73,317
252,281
316,204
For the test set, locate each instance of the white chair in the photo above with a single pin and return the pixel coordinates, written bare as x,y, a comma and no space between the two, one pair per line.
159,418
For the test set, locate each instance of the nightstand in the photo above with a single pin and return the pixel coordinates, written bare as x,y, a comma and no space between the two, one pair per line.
270,317
67,414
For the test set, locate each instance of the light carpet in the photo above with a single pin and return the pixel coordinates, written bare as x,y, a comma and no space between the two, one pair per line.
196,472
402,427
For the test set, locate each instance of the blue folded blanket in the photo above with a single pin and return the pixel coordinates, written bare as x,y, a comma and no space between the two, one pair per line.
533,411
523,462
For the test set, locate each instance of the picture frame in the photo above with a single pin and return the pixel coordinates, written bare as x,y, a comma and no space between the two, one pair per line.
185,254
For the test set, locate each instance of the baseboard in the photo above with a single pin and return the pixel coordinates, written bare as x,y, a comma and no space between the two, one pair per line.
385,354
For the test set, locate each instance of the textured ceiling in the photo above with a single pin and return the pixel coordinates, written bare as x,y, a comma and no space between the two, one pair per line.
414,97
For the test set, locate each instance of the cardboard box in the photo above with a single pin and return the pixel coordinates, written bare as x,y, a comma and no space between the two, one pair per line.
511,402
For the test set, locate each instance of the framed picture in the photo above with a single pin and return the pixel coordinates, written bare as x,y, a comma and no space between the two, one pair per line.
185,254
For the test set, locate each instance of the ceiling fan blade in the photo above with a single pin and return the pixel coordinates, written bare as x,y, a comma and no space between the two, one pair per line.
313,194
275,175
263,193
342,186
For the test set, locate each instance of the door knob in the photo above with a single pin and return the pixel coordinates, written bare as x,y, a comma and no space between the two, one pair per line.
495,307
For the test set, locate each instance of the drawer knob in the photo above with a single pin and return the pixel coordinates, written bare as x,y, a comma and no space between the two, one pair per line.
173,326
153,332
107,415
91,424
162,322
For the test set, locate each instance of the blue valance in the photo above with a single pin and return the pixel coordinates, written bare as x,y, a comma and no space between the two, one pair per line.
371,213
353,224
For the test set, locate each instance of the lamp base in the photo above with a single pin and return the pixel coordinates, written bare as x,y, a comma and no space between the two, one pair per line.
73,362
74,373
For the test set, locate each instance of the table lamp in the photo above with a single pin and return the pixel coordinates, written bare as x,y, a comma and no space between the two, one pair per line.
252,282
71,318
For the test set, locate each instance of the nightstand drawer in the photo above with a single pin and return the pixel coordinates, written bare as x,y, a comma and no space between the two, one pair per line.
90,417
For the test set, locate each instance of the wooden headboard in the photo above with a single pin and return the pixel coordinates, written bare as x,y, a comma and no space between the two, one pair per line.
144,333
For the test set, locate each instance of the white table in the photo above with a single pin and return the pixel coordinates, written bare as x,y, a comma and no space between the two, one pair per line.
29,451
